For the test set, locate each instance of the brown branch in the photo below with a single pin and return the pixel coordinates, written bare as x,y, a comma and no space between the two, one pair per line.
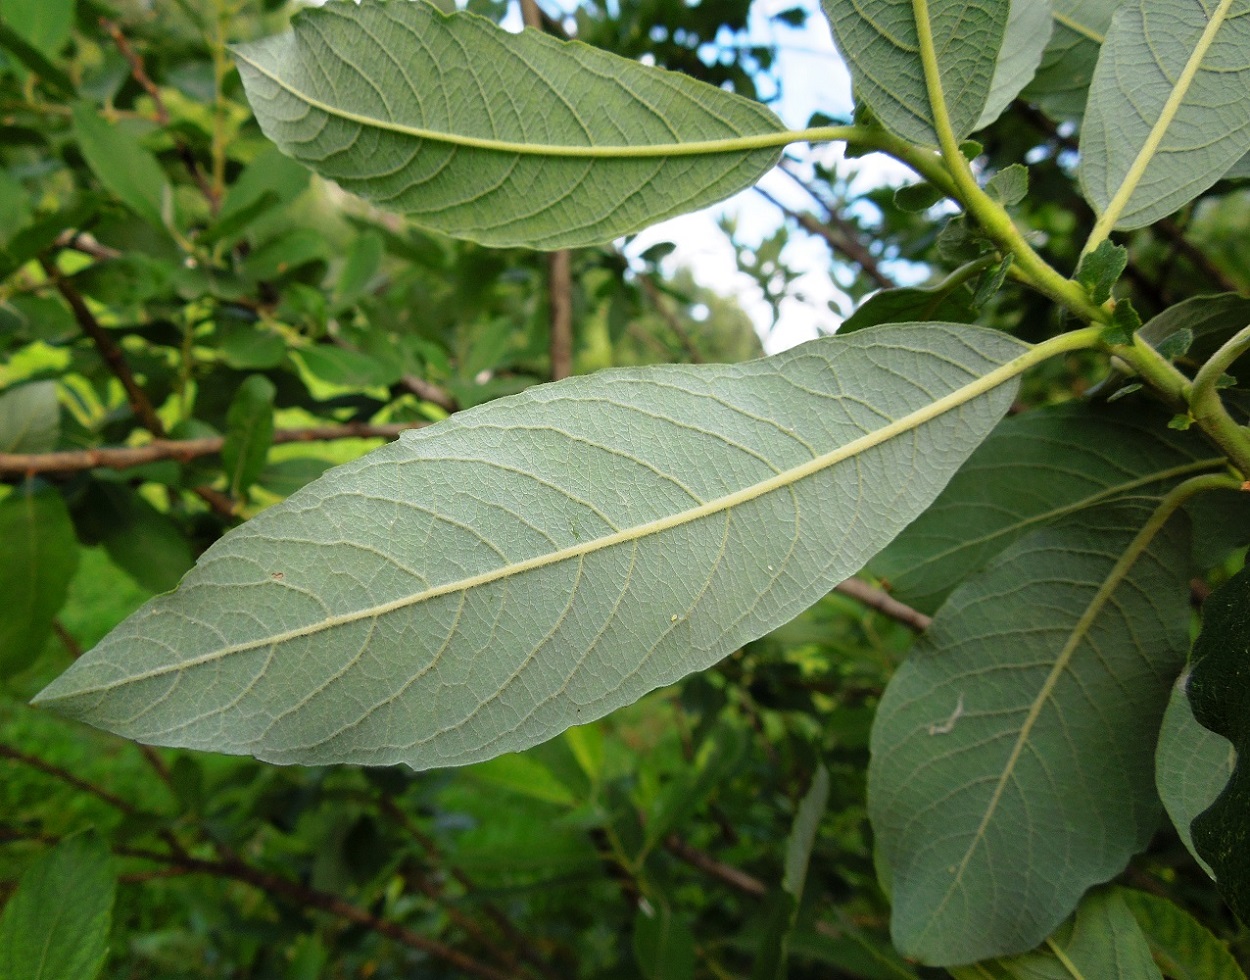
182,450
108,348
884,603
71,644
726,873
427,391
674,322
560,312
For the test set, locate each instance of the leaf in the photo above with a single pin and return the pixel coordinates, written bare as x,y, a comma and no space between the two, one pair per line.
1167,113
124,168
1025,39
1181,945
269,181
881,42
1013,753
1219,693
1036,468
249,434
1010,185
663,944
1101,269
1210,320
482,584
56,925
249,346
40,558
1103,941
284,477
363,95
1061,84
527,776
1192,766
146,543
947,301
347,368
30,418
34,60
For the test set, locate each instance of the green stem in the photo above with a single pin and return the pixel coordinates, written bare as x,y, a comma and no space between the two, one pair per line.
1208,409
992,217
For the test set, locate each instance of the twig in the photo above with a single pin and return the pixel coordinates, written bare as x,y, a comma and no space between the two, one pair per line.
733,877
427,391
56,772
72,646
81,241
885,604
182,450
841,237
674,322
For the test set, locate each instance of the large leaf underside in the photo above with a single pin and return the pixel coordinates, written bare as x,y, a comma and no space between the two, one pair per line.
537,562
487,135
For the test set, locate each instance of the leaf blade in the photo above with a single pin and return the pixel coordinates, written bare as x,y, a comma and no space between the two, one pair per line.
607,495
594,153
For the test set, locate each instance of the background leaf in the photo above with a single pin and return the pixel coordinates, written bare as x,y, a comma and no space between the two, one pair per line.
1036,468
56,925
1181,945
1155,136
1193,765
40,558
663,945
1056,658
879,41
362,95
249,434
30,418
1219,692
485,583
123,167
1061,85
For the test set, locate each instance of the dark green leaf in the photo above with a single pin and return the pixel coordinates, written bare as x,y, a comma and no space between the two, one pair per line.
140,539
1101,269
56,925
917,198
663,944
1219,692
286,476
347,368
951,302
249,346
1181,945
992,281
364,258
1061,84
249,434
35,61
40,556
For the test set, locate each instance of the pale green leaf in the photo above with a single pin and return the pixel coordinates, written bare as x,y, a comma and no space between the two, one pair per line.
1193,765
1102,942
1181,945
1061,85
125,169
44,24
528,141
1036,468
534,563
1028,32
40,556
56,925
1168,112
30,418
1013,753
1239,170
881,40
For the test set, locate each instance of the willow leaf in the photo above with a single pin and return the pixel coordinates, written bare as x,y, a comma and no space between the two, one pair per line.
502,138
1168,114
534,563
1013,753
1024,44
881,42
1061,84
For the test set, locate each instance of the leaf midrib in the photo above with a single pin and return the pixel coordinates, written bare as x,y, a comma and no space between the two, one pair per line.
979,386
737,144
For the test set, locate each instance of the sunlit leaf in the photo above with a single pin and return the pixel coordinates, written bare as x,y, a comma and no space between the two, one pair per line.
534,563
30,418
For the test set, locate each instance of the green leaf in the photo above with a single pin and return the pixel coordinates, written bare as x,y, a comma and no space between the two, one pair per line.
286,476
1056,659
249,346
599,147
34,60
124,168
40,558
44,24
1209,320
146,543
347,368
30,418
1192,766
1061,85
1035,468
249,434
1219,692
949,301
1167,114
1181,945
1024,43
1010,185
881,42
1104,941
482,584
663,944
526,776
270,181
56,925
360,265
719,757
1101,269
